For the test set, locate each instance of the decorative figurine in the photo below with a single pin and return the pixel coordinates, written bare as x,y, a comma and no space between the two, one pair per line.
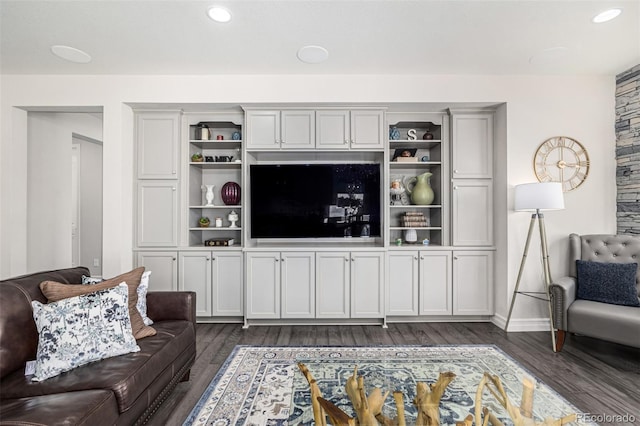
236,136
394,134
411,134
233,218
398,193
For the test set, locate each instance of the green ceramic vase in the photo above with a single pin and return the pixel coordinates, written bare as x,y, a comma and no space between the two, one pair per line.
420,189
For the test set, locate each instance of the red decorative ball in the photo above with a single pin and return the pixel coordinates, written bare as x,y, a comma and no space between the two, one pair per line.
230,193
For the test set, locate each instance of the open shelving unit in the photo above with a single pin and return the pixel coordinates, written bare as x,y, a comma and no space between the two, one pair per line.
407,132
221,163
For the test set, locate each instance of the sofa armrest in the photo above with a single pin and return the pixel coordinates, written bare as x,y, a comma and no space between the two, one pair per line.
563,293
172,305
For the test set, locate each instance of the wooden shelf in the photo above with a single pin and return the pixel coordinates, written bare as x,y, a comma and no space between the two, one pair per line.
417,228
216,164
216,207
415,206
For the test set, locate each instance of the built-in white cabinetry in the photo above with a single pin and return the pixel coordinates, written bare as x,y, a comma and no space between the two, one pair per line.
163,266
302,129
350,129
436,283
227,285
288,129
216,277
350,284
402,283
472,218
472,140
419,283
367,284
195,275
472,282
333,289
263,285
297,284
157,213
472,179
158,144
280,285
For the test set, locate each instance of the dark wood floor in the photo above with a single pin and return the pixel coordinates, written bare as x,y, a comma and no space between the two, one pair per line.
596,376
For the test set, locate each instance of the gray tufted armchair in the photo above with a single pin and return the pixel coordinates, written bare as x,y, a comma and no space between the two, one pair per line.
615,323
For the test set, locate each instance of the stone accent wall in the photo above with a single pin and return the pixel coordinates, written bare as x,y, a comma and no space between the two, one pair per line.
628,150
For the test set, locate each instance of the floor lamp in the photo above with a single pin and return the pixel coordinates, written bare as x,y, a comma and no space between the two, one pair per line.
536,197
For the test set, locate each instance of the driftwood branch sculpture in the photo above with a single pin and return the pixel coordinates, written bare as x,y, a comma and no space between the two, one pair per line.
521,416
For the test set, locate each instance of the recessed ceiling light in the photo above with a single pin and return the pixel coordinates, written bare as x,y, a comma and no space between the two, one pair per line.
313,54
607,15
219,14
71,54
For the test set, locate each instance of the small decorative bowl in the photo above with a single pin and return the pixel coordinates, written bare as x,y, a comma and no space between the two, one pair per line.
204,225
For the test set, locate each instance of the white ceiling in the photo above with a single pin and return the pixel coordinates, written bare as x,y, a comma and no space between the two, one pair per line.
362,36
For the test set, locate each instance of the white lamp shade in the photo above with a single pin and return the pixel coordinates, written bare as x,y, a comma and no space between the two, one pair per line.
539,196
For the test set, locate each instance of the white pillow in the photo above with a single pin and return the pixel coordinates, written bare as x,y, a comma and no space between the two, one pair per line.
142,297
82,329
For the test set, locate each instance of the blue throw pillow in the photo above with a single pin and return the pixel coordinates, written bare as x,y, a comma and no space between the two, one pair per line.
613,283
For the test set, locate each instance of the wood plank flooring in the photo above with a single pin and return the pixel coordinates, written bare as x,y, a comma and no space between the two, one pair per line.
596,376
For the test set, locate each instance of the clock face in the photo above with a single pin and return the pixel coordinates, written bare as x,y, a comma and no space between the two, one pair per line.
562,159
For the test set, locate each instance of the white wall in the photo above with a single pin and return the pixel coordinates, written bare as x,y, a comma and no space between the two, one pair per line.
48,185
537,107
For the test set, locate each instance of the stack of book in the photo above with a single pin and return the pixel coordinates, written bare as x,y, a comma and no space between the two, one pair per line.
414,220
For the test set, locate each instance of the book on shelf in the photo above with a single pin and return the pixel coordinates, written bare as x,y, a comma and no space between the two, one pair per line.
219,242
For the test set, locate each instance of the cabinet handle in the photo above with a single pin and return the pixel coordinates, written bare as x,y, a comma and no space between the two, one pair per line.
422,257
213,258
455,257
346,141
173,258
415,257
455,171
346,259
174,172
277,260
208,259
455,187
282,259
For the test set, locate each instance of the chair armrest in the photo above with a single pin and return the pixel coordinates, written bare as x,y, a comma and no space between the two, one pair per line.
563,293
172,305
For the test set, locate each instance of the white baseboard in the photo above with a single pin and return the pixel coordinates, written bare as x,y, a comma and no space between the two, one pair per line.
528,324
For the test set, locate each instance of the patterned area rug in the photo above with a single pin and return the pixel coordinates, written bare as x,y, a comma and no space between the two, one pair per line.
263,385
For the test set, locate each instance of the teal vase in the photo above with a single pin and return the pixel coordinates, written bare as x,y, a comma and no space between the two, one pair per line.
420,189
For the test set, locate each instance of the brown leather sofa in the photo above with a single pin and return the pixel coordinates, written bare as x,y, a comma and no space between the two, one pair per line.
123,390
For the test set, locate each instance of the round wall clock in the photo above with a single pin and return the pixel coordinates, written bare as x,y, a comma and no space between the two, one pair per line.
561,159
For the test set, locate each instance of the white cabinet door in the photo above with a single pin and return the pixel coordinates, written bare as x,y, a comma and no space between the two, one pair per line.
297,272
195,275
367,129
263,285
402,283
435,283
298,129
472,146
158,144
367,285
157,213
226,284
164,269
472,212
333,129
472,282
263,130
332,284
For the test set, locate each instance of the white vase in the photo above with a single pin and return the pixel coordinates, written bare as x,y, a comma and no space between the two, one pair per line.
208,196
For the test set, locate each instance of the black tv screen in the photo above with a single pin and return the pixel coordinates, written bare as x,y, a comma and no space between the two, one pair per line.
315,200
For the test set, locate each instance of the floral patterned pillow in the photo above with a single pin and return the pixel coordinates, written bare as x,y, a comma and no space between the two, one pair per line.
82,329
143,288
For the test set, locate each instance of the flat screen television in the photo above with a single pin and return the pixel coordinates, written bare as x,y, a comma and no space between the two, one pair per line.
315,200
